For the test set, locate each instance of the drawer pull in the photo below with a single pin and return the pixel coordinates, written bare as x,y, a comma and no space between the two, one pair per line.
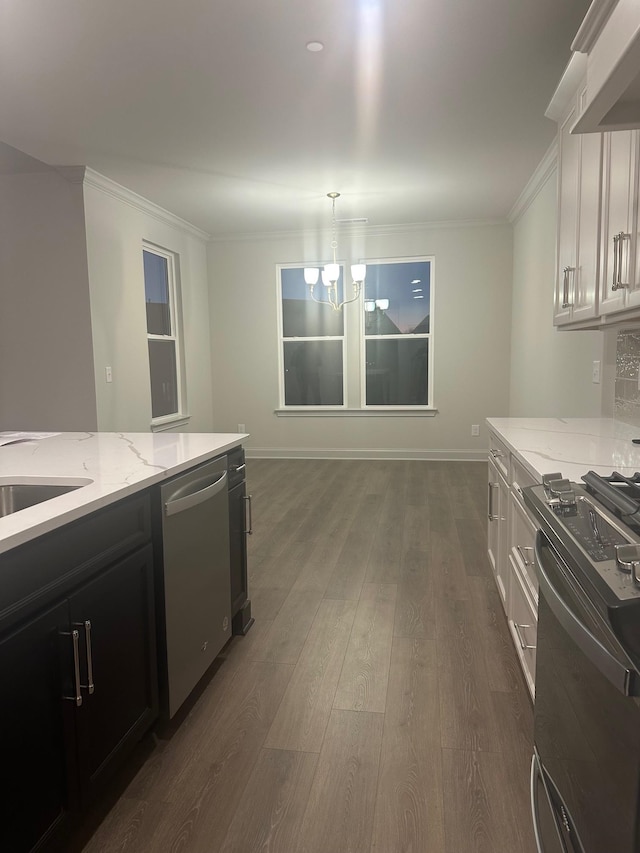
497,454
522,549
518,628
492,516
75,639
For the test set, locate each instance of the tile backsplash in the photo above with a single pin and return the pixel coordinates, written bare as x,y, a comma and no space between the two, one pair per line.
627,394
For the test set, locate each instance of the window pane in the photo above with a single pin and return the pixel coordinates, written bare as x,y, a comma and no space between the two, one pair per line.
301,316
397,298
313,373
156,294
397,372
164,379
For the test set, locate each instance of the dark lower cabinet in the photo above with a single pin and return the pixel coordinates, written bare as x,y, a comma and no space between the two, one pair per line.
35,802
79,690
239,528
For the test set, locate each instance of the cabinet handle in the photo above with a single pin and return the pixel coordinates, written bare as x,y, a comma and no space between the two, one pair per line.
497,454
523,645
75,640
492,517
565,287
87,634
618,250
247,499
240,467
521,550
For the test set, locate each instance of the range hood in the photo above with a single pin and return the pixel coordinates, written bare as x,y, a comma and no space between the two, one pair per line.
610,35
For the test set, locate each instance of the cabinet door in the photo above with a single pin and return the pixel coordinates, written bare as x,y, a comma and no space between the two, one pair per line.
568,171
115,616
36,662
617,280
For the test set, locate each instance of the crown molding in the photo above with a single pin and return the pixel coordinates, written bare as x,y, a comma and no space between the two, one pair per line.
359,231
536,182
592,25
90,178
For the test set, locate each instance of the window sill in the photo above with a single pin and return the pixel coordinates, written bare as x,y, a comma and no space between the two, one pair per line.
169,423
382,412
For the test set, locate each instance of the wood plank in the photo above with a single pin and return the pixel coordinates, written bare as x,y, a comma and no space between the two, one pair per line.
409,813
416,599
365,672
480,814
339,814
127,826
288,632
472,536
303,715
494,640
273,804
467,719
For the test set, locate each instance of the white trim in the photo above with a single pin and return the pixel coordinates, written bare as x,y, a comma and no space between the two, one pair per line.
369,412
565,93
169,423
89,178
592,25
358,230
536,182
372,453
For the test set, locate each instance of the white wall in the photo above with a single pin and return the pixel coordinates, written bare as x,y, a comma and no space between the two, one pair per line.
117,223
551,370
473,267
46,357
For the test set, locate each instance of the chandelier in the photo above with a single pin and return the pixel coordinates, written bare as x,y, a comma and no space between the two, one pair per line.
331,272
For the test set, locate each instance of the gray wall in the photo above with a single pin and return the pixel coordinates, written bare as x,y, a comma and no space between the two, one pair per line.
46,353
551,370
472,329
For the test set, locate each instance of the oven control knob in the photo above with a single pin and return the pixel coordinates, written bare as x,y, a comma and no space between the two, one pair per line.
559,492
628,560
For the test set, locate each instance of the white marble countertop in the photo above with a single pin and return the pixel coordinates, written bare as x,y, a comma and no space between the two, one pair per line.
115,464
571,446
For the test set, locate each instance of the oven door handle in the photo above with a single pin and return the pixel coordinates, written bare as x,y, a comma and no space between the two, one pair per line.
622,677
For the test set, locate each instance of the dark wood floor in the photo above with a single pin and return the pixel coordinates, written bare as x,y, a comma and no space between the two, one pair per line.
375,706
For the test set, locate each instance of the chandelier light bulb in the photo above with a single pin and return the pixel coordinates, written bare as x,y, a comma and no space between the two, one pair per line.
333,272
311,275
358,272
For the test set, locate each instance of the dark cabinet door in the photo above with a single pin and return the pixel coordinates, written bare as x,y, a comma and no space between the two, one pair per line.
114,614
238,547
36,665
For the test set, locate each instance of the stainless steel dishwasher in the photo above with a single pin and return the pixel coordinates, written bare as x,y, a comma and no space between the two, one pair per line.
196,584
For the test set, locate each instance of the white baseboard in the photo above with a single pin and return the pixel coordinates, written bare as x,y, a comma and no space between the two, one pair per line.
368,453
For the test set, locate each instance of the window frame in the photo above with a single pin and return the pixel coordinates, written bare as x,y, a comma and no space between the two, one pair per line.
175,320
429,405
282,340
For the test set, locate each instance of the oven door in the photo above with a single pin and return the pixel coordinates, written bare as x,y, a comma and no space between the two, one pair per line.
586,772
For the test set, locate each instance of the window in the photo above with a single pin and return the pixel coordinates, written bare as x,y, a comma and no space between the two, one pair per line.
397,333
312,345
161,298
391,326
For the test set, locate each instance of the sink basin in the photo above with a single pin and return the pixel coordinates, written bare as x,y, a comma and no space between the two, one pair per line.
17,496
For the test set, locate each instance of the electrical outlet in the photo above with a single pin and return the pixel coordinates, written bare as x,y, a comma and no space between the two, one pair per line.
475,429
595,375
241,428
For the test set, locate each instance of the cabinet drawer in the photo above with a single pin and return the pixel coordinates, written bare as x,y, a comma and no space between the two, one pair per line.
499,452
41,571
521,544
523,624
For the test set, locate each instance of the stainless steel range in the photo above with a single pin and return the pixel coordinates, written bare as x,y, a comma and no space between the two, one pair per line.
585,779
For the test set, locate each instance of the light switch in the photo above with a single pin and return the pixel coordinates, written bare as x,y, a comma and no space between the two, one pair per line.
108,375
595,378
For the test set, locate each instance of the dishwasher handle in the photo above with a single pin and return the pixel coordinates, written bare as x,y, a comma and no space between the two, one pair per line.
176,505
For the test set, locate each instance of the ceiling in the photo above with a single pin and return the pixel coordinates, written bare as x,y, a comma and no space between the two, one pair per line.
415,111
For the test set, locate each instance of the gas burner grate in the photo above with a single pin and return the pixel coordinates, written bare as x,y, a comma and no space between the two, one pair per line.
619,493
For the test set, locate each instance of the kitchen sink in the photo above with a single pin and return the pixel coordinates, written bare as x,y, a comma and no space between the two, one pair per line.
17,496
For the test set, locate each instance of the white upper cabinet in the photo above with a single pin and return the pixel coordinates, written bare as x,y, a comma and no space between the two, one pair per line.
579,188
610,36
619,279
